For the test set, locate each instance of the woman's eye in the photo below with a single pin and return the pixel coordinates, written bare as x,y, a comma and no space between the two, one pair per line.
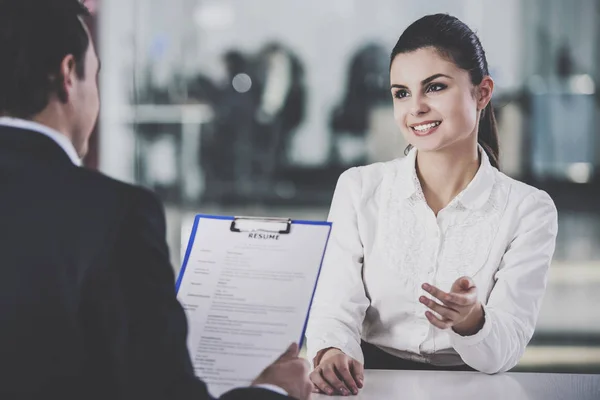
400,94
436,87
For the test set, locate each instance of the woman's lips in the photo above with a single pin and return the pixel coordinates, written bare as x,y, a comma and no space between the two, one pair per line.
425,128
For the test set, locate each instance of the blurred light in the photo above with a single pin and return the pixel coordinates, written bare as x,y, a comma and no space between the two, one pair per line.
162,160
580,172
582,84
214,16
537,85
241,83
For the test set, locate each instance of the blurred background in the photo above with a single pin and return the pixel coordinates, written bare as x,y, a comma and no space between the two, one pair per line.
241,107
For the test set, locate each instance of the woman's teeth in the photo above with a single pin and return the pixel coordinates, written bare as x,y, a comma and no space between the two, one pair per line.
425,127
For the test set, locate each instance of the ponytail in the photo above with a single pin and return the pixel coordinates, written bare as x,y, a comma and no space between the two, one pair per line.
487,136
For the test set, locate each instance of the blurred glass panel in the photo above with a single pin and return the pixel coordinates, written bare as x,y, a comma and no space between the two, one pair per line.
563,127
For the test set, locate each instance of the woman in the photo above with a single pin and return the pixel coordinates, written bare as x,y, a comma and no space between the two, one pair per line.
436,260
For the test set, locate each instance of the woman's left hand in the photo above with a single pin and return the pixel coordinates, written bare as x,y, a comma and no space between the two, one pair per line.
459,309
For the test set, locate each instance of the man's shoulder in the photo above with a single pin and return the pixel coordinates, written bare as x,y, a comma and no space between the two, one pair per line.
91,179
95,189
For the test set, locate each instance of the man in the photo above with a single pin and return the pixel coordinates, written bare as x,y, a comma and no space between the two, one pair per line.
88,308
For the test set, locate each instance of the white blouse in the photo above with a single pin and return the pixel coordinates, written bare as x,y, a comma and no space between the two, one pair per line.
386,242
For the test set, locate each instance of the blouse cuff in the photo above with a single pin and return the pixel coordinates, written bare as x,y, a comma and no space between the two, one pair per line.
349,347
473,340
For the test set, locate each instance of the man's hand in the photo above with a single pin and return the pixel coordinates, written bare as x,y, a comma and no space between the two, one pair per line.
290,373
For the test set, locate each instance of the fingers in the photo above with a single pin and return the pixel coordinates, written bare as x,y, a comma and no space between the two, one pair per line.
315,388
320,383
357,371
435,292
331,379
444,311
304,372
462,284
308,388
338,374
467,297
435,321
466,283
455,306
290,353
344,373
330,374
462,300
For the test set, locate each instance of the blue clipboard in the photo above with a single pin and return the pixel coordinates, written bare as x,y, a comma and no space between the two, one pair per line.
235,220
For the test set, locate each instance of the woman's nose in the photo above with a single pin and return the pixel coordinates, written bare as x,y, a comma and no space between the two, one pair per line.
418,106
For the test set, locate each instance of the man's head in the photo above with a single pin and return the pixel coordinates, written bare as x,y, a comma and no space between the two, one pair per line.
49,67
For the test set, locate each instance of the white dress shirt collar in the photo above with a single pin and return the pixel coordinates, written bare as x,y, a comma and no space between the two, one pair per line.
56,136
474,196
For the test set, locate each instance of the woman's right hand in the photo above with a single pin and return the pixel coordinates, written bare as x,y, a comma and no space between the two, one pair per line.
337,373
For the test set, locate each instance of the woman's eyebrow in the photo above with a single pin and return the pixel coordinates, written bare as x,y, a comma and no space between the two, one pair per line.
424,81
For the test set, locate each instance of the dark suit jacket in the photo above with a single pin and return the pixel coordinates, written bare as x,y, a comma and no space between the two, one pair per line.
88,307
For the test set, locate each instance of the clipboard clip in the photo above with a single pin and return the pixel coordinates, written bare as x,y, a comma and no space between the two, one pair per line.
259,224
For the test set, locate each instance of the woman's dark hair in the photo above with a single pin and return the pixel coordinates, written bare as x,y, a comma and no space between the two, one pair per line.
35,36
455,41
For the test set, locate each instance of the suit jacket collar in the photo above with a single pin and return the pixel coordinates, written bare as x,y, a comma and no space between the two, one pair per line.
33,126
31,146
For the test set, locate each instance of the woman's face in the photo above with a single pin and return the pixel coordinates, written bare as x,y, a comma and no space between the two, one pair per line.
435,104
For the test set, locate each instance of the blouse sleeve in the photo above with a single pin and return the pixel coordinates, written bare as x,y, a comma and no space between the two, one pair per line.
340,301
513,306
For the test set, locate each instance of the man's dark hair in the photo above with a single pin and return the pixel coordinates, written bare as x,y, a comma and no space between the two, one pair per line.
35,36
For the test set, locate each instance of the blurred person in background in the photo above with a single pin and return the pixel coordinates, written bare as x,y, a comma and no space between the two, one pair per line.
231,151
436,260
280,77
366,89
88,309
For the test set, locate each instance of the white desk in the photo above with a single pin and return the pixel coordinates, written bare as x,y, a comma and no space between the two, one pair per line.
438,385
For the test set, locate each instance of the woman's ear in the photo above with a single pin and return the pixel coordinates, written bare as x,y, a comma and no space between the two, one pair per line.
484,92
